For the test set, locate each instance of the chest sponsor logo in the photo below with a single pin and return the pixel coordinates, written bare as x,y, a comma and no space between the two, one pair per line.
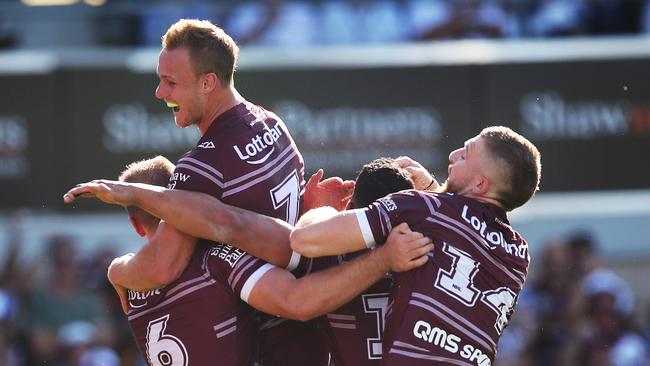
259,145
138,299
494,238
449,342
227,253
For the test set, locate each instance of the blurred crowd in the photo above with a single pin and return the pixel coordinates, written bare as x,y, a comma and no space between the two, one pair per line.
291,23
575,311
58,309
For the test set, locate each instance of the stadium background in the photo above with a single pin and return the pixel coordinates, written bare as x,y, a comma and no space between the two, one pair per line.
354,81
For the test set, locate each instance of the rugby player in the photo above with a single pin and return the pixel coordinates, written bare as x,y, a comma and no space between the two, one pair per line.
453,309
245,157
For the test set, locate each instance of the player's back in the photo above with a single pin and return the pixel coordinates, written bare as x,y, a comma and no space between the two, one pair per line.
353,333
196,320
453,309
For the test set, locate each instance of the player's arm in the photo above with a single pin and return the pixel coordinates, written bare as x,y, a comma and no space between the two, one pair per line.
199,215
281,294
157,263
325,231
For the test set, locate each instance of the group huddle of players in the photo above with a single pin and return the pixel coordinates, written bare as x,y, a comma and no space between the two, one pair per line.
410,274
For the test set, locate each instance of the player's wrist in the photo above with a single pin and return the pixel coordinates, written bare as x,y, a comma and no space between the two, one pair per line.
433,184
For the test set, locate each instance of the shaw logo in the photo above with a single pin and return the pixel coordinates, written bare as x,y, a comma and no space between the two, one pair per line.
207,145
258,144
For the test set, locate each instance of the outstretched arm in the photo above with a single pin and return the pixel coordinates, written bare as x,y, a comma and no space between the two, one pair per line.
324,231
199,215
281,294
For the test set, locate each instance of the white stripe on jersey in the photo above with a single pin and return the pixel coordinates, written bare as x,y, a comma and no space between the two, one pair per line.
427,200
244,187
172,299
429,357
439,315
201,172
343,325
208,167
252,281
364,225
263,168
455,315
294,261
225,323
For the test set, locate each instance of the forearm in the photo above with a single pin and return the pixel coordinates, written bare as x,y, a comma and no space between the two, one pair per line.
322,292
203,216
157,263
329,234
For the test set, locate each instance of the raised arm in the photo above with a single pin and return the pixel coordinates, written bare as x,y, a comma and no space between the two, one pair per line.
199,215
279,293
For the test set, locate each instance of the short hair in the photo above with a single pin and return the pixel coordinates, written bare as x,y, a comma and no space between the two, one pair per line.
521,162
155,171
211,49
378,179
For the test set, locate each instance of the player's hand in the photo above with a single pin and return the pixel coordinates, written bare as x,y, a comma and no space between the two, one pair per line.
405,249
422,179
333,192
108,191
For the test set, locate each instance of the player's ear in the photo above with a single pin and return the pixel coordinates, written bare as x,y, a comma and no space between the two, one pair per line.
482,185
210,82
137,226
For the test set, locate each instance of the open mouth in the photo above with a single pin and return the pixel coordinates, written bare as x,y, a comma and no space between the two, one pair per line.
173,106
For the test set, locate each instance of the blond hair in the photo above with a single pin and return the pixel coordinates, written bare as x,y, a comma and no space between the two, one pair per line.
211,49
155,171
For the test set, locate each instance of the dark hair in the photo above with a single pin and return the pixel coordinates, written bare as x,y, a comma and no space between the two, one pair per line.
211,49
155,171
377,179
521,162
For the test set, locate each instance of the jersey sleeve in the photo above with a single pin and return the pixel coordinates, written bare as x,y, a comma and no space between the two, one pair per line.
238,269
199,171
377,220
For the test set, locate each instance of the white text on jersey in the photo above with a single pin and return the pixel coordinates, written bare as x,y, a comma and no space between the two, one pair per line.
258,144
449,342
495,238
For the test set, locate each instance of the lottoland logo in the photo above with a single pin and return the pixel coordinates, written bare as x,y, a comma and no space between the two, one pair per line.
258,144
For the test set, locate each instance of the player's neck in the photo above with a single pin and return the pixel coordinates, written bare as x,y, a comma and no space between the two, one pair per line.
217,105
487,199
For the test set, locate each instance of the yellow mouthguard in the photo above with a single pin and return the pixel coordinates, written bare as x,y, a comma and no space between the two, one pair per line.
172,105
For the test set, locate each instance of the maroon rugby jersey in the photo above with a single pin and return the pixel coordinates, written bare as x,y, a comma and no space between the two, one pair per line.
199,319
453,309
354,331
248,159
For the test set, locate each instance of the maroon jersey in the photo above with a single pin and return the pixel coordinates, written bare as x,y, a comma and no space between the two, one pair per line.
353,332
199,319
453,309
248,159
